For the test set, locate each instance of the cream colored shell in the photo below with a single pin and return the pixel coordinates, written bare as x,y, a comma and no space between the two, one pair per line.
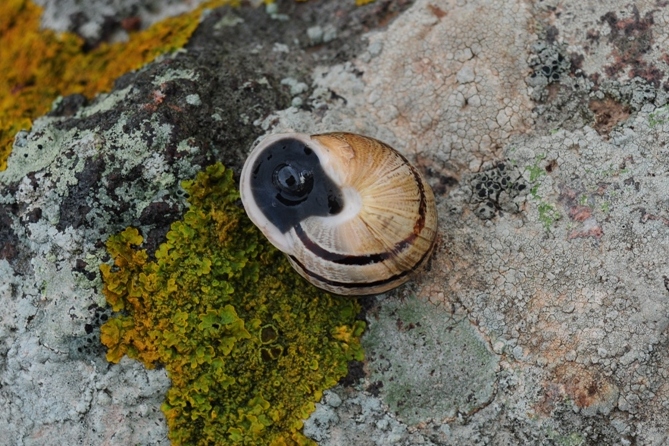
386,227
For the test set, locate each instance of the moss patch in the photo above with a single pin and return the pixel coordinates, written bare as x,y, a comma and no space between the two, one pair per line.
38,65
249,346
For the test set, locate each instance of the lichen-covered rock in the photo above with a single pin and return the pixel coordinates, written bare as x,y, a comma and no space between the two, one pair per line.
105,20
448,79
617,40
248,345
92,168
564,283
457,380
66,190
461,74
575,288
38,65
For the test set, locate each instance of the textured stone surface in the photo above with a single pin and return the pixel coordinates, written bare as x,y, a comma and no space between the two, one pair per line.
458,377
556,292
89,170
105,20
450,86
616,40
565,279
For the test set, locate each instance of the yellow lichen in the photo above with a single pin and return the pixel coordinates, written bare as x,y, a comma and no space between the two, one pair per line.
38,65
248,345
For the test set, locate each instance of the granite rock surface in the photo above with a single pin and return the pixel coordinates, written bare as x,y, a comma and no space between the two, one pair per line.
543,130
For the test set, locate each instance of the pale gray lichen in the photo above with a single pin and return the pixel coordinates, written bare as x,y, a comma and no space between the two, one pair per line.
637,93
452,80
457,379
362,418
54,365
571,289
450,85
98,20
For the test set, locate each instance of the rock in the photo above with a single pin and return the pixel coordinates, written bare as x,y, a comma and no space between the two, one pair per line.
560,289
90,169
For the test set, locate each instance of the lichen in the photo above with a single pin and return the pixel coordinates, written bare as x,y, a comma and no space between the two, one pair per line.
248,345
39,65
457,379
498,187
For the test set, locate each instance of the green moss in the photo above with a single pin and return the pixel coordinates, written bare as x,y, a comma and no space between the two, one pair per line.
249,345
548,214
573,439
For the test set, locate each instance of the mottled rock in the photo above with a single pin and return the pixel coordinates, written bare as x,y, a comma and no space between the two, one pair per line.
90,169
567,284
561,289
459,376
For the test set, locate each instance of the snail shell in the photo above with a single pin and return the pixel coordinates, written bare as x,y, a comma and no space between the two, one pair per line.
352,215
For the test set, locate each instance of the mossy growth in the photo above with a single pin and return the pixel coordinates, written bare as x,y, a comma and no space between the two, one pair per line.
248,344
39,65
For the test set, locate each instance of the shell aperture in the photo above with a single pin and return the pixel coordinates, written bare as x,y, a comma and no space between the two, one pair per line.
351,213
288,184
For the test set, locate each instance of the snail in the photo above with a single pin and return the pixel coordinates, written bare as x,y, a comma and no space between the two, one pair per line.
351,213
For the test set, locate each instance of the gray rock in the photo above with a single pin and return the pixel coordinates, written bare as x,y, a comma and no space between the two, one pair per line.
428,367
90,169
98,20
545,322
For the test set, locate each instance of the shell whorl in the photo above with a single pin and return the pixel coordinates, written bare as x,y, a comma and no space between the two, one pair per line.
370,223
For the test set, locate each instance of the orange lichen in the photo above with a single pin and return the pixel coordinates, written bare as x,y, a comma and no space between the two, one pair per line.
249,346
37,65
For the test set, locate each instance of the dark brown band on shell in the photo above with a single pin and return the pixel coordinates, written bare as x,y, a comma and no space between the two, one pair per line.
381,247
341,259
422,207
360,285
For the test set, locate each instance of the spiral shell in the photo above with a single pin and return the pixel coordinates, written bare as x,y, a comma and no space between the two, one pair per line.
352,215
